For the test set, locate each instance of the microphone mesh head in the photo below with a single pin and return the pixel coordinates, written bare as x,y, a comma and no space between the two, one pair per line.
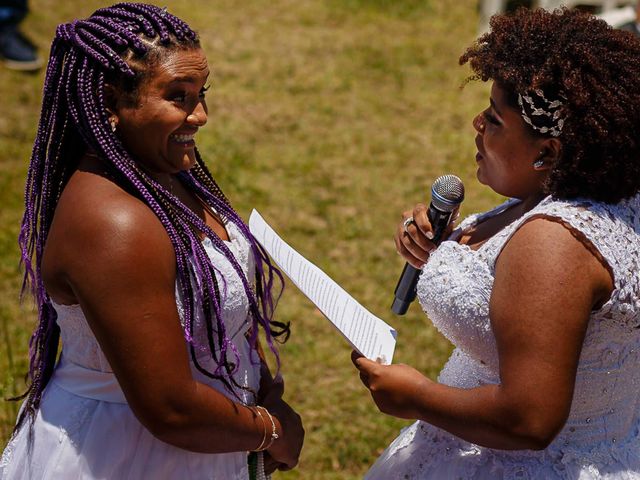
447,193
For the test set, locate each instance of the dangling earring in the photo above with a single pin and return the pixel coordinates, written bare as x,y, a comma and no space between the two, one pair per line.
113,123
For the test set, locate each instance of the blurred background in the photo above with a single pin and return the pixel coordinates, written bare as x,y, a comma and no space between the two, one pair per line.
330,117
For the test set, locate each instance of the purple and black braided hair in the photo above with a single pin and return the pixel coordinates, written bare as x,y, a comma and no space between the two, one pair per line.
120,45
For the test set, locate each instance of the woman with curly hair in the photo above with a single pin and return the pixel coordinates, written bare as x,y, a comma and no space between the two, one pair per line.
541,295
141,267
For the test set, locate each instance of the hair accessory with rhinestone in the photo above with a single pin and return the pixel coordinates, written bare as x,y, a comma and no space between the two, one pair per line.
544,115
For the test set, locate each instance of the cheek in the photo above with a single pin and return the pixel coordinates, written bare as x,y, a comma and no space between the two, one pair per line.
503,152
494,144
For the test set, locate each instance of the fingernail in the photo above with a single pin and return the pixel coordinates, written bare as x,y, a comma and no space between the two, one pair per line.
429,235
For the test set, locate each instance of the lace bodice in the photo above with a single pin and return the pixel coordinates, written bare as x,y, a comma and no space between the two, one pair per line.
455,287
81,347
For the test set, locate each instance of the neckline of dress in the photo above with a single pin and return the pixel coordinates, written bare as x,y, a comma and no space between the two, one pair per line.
503,208
481,217
494,212
230,228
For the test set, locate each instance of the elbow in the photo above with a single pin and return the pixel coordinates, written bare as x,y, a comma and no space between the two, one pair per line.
170,428
535,431
169,424
530,421
538,440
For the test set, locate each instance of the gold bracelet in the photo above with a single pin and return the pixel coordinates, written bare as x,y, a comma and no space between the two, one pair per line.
261,447
274,434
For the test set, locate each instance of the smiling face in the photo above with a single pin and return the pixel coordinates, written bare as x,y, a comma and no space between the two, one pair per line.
507,149
158,128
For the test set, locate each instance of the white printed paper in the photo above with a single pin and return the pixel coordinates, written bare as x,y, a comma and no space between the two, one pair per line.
368,334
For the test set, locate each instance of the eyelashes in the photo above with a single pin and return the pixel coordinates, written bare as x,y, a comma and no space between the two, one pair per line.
182,96
490,118
203,90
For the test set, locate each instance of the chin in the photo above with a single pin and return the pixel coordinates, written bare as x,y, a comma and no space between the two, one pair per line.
187,163
480,177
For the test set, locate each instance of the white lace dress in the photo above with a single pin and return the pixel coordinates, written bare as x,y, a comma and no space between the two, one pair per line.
600,439
84,428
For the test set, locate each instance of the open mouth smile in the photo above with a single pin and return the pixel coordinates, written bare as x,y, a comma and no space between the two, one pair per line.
184,139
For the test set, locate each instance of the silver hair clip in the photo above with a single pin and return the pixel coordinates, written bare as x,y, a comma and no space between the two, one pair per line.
549,112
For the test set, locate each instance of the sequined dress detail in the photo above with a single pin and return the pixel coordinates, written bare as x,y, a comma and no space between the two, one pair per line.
85,430
601,437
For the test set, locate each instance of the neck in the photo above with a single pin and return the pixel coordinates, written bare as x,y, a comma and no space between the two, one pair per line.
532,200
167,180
164,179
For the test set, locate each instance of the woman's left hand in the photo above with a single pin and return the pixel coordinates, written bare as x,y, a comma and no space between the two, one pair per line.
271,465
268,382
396,389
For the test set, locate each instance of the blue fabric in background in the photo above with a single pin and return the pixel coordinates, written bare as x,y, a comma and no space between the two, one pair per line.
12,11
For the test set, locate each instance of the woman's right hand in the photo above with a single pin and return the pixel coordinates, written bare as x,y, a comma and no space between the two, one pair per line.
413,242
286,449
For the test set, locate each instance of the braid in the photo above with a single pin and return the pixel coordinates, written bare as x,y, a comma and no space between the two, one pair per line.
201,180
113,44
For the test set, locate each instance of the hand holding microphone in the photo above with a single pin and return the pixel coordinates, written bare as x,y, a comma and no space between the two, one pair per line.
421,232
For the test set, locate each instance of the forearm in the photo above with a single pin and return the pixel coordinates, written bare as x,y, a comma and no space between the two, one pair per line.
484,415
203,420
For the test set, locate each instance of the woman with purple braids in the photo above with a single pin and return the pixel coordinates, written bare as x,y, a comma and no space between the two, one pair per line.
143,271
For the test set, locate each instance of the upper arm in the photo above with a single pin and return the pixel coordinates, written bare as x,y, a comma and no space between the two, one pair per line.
122,271
547,282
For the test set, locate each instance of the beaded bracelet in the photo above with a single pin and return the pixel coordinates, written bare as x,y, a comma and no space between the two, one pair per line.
260,475
255,461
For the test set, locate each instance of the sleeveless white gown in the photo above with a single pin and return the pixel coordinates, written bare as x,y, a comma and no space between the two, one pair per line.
84,428
601,438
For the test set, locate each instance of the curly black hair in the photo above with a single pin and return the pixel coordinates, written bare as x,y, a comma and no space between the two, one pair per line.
597,69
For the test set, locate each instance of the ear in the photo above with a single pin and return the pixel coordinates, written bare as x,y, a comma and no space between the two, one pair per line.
549,153
111,98
111,105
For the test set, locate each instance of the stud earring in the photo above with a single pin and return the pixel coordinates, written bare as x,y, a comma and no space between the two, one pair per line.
113,123
539,162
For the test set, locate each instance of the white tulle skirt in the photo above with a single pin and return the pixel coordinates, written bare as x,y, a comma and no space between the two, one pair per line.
76,437
424,452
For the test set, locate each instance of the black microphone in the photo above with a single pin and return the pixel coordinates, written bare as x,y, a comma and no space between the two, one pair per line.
447,194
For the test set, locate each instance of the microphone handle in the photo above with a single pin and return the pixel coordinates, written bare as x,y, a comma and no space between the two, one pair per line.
439,222
405,291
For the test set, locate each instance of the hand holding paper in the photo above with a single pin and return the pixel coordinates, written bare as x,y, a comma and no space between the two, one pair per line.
368,334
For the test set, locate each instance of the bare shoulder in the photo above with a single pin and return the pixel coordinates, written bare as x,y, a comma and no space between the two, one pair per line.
550,251
97,228
551,237
98,213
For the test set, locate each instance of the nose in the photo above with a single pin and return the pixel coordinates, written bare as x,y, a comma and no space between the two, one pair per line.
198,116
479,123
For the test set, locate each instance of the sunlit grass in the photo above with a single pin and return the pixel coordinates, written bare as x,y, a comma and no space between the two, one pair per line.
330,117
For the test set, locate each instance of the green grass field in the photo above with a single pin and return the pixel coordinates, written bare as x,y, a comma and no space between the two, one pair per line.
329,116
